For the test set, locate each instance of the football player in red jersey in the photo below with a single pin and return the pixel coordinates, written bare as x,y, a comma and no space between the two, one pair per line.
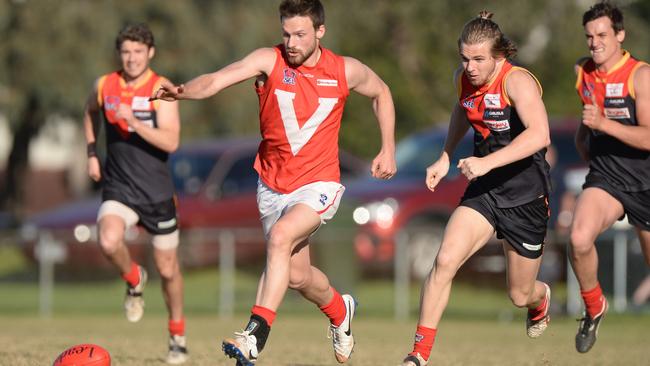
508,175
614,138
302,88
136,183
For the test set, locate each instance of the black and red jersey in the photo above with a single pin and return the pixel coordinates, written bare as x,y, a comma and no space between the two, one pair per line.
496,123
623,166
135,171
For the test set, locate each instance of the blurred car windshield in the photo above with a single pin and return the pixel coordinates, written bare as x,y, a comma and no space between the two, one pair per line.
415,153
190,170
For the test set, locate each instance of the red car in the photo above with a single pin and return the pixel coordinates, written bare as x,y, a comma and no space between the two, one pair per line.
216,188
404,206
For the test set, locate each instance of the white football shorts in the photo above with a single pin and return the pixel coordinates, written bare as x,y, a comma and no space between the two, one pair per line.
323,197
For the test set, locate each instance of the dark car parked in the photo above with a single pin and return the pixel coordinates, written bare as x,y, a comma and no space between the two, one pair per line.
404,206
216,189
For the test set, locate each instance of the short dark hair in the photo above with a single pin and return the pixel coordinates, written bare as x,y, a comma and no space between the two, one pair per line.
304,8
483,28
135,32
605,9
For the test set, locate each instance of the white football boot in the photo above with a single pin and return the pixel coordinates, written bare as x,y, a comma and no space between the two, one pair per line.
134,302
177,350
414,360
535,328
243,348
341,336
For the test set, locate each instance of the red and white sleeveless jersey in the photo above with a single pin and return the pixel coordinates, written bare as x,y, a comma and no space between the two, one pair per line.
300,117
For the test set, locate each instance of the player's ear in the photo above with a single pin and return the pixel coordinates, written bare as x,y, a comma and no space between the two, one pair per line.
152,52
620,36
320,31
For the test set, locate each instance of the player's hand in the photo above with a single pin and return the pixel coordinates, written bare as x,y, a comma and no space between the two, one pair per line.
168,92
94,169
473,167
435,173
383,166
125,112
592,116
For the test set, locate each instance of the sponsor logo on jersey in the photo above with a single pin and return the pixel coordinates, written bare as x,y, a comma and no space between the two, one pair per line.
468,103
289,77
532,247
323,199
616,113
494,114
492,100
503,125
327,82
167,224
587,89
146,122
140,103
614,101
311,76
111,102
142,114
614,90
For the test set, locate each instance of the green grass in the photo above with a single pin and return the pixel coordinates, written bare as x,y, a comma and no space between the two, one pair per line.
480,327
299,340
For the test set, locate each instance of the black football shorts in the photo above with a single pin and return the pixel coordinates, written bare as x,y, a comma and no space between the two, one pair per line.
157,218
635,204
523,227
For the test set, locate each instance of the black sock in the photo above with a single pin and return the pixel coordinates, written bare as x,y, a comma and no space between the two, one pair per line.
258,327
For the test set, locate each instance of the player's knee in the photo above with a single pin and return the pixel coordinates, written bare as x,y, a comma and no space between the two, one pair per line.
445,268
110,240
519,297
581,240
299,279
279,240
167,270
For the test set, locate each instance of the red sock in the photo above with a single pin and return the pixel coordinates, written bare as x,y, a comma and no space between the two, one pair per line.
539,312
424,338
266,314
335,310
593,300
133,277
176,327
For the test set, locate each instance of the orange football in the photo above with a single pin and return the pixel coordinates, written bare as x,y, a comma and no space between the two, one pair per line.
84,355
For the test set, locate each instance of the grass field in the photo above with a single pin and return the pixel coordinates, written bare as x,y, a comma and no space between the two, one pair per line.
301,341
495,335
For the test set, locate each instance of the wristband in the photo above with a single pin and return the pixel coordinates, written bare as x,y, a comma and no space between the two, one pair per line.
91,150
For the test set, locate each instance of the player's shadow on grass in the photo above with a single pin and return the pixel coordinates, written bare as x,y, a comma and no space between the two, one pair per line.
306,364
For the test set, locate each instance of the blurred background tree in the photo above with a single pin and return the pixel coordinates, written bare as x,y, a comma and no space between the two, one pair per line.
52,51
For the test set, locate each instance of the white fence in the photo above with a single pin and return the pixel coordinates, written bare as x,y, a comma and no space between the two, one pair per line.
50,250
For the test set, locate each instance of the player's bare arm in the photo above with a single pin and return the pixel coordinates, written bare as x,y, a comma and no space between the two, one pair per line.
364,81
92,120
583,131
256,63
581,141
166,136
635,136
525,96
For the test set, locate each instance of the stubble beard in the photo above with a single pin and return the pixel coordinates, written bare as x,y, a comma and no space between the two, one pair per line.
301,57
